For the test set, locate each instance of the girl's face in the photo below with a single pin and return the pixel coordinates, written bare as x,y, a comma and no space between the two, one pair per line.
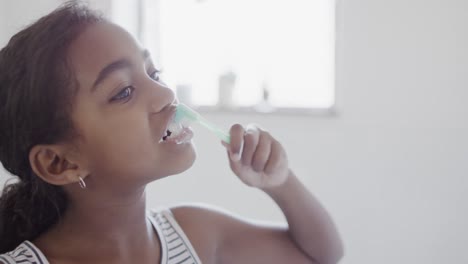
122,110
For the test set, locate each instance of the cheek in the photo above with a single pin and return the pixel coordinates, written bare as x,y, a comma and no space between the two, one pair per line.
125,146
121,149
121,161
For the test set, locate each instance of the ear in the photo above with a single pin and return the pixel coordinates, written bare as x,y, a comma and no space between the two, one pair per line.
56,164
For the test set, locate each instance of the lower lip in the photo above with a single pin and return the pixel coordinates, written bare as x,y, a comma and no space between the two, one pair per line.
184,137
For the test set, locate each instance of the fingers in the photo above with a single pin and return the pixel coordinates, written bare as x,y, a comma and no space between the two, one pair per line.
237,141
262,153
277,155
251,146
256,157
251,139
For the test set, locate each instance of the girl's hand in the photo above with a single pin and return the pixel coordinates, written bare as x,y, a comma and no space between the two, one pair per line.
256,157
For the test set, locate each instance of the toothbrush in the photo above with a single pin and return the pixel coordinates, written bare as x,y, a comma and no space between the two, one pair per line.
186,113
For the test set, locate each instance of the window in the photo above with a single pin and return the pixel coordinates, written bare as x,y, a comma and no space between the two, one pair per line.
265,54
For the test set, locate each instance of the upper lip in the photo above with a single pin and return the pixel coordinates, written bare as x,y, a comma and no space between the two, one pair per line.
171,109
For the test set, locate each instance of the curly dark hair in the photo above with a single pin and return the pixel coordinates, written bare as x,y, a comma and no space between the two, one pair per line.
37,87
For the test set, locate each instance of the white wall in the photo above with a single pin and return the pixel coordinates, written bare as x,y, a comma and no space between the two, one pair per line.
390,167
19,13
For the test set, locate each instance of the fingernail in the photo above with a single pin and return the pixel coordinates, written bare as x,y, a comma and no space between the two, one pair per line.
235,157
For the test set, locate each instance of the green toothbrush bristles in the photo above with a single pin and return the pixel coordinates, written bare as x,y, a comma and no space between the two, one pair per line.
185,112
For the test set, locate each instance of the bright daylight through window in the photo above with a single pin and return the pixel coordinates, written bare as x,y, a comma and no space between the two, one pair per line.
264,54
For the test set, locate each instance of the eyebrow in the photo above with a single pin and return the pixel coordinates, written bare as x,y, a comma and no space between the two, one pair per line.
115,66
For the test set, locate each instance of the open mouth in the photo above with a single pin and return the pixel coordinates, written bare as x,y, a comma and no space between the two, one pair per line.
168,134
177,133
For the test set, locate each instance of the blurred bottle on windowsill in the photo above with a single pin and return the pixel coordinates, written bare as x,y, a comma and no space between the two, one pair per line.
226,88
264,106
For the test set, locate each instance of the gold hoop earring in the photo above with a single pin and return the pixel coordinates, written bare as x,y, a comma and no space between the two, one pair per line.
82,183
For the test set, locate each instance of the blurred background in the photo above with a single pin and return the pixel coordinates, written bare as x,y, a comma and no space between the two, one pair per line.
374,118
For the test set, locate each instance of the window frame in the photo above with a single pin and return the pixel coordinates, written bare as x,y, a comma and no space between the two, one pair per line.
319,111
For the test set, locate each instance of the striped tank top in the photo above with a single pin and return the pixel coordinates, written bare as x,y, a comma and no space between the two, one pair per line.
175,246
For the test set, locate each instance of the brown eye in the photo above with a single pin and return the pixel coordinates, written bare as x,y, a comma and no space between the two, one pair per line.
124,94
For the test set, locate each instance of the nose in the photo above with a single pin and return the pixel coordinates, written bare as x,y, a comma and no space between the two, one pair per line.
161,97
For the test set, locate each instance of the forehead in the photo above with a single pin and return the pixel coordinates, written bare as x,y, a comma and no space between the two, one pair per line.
97,46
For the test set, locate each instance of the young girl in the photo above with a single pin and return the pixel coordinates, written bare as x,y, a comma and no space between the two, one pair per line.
83,124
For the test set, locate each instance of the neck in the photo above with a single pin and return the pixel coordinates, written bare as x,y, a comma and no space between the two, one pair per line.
115,223
114,214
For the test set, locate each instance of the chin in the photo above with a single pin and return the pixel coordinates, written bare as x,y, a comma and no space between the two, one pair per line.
186,163
180,163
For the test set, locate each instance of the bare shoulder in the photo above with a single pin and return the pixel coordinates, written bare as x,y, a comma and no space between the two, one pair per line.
202,225
195,211
213,222
207,228
199,214
220,236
